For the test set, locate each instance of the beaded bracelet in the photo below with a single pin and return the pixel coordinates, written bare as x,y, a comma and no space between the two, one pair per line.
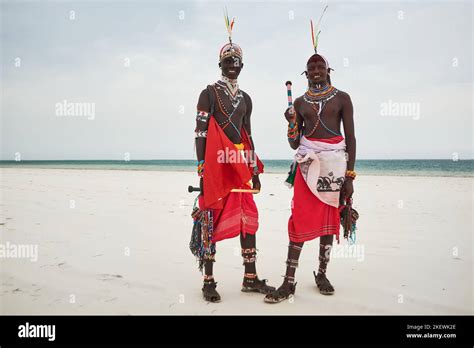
292,131
200,168
351,174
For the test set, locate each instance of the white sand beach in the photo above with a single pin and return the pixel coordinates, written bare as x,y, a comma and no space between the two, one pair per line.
116,242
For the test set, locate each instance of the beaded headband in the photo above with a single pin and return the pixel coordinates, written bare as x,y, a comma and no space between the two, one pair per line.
229,50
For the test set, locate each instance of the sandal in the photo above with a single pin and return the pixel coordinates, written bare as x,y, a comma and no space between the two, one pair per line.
323,284
209,291
281,294
253,284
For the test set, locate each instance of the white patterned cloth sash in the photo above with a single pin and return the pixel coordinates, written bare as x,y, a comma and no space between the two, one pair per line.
323,167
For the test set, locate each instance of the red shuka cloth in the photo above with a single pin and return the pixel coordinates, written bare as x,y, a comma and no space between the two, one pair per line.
238,215
233,212
310,217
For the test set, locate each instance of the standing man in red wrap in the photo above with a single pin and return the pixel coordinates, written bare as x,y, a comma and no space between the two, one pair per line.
323,171
226,161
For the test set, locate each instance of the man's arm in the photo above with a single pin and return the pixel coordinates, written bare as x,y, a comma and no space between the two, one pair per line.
249,106
349,133
248,128
202,124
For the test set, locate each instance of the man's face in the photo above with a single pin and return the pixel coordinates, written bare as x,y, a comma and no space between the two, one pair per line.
231,67
317,72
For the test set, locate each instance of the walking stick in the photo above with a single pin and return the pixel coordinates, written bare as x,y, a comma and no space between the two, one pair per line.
197,189
290,180
288,89
290,98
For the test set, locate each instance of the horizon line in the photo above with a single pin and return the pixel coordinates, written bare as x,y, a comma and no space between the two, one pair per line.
264,159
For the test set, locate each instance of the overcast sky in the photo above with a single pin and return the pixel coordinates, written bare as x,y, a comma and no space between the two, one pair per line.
141,65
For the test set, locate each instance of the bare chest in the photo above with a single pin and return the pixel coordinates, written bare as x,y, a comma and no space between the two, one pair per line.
322,123
229,114
330,110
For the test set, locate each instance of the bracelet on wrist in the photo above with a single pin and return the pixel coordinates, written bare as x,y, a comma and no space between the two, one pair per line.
200,168
351,174
293,131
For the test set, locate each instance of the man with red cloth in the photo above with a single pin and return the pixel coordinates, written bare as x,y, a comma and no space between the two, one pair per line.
322,172
227,161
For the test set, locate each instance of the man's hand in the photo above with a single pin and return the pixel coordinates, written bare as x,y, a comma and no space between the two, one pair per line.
347,189
290,115
256,183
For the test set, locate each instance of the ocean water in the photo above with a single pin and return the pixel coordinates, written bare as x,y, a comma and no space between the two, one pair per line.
462,168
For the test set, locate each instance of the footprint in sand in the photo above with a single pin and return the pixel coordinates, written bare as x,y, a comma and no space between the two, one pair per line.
105,276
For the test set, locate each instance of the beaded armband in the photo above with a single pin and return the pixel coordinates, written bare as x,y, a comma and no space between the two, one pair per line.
202,116
201,134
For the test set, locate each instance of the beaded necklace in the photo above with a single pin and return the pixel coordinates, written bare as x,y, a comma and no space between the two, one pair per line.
319,97
231,89
317,121
314,95
226,113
